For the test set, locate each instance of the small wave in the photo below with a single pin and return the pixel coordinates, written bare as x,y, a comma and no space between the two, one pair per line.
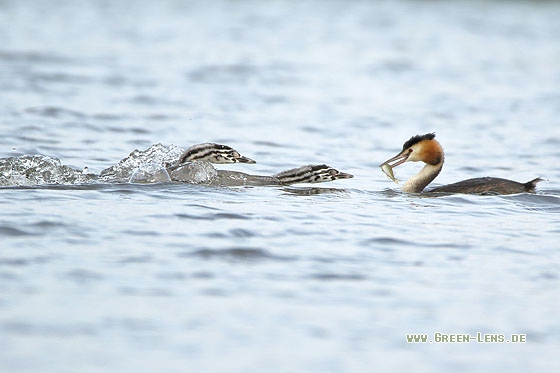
132,130
242,233
54,112
237,254
386,243
136,259
233,234
18,262
44,329
331,276
537,202
310,191
214,216
148,292
34,57
83,275
13,232
223,73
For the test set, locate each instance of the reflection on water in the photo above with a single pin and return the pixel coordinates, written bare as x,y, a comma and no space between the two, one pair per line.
147,277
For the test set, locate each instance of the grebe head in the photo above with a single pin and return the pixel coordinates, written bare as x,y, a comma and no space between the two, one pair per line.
213,153
422,148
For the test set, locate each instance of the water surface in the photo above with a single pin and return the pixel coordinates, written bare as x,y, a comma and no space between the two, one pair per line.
325,278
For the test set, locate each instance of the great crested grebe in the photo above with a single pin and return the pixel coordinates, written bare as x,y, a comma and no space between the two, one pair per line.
207,153
426,149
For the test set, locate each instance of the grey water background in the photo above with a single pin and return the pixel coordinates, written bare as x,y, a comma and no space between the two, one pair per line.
125,277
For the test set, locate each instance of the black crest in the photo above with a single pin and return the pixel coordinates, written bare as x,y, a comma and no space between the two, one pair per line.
416,139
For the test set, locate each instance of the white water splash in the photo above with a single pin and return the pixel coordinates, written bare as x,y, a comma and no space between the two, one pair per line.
138,160
38,170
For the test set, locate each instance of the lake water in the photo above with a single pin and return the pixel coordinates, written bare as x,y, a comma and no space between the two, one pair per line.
323,278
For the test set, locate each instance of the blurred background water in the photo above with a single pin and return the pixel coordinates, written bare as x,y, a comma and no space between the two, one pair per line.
124,277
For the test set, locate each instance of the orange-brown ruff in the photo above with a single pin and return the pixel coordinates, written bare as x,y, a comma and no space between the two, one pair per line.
426,149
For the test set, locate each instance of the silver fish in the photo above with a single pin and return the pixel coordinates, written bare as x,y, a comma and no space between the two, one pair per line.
388,170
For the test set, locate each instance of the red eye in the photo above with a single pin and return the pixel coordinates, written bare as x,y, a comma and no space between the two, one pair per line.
410,150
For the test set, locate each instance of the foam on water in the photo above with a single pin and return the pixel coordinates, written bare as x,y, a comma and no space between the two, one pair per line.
142,166
37,170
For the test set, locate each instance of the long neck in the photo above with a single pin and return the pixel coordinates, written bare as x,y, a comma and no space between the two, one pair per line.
418,182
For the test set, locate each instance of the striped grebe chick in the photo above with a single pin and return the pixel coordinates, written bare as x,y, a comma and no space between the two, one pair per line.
425,148
198,158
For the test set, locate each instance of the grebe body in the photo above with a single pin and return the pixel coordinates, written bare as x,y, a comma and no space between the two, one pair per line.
488,185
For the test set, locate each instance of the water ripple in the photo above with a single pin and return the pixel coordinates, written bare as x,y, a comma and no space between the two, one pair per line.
244,254
34,57
48,330
19,262
331,276
55,112
15,232
136,259
83,275
171,275
387,241
146,292
214,216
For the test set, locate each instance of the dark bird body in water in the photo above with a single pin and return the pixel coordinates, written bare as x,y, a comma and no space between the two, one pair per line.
488,185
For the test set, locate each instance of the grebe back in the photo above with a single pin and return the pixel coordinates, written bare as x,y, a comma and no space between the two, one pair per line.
488,185
426,149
